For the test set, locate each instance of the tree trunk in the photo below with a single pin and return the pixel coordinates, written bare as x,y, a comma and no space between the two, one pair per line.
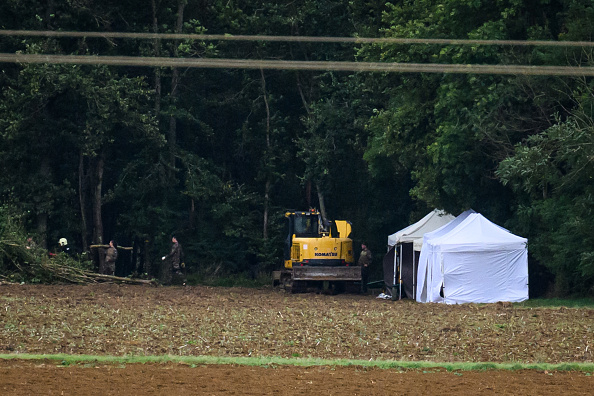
97,185
301,94
322,203
42,217
266,209
192,216
306,107
82,200
145,257
268,181
99,165
172,136
156,53
42,229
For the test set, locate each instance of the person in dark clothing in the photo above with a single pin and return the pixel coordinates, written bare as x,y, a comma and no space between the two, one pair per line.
174,263
64,248
111,255
364,262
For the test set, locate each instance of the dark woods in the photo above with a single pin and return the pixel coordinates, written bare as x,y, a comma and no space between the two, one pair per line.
93,153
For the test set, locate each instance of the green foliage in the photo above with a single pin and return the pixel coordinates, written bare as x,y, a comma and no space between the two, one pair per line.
449,132
553,172
329,140
53,136
13,252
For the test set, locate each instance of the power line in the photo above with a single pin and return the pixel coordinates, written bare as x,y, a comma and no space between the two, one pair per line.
311,39
298,65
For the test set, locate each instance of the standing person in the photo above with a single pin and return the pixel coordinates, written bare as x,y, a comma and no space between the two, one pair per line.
64,248
30,244
111,255
364,262
173,263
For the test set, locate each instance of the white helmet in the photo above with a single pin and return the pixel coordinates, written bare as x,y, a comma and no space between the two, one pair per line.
63,242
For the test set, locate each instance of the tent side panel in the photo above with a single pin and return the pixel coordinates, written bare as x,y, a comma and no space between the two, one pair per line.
485,277
434,275
388,267
518,275
422,271
407,269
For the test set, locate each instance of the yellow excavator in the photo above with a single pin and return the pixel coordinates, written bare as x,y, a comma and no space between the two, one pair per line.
317,253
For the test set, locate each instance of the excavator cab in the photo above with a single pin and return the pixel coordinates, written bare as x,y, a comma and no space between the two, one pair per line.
300,225
306,225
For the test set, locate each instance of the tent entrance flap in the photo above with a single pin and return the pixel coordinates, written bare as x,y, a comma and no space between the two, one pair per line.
400,270
388,268
408,269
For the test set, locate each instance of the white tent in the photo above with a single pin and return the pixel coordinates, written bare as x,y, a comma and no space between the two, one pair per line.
473,260
413,235
421,291
414,232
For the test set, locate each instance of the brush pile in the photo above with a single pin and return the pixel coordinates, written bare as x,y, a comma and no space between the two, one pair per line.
31,264
23,261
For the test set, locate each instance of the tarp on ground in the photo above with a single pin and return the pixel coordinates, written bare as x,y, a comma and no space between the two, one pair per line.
402,245
473,260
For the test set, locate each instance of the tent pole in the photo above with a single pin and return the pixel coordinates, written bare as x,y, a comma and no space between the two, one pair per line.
400,275
442,277
394,272
414,271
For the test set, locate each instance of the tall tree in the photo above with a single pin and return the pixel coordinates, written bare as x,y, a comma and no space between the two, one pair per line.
80,109
552,173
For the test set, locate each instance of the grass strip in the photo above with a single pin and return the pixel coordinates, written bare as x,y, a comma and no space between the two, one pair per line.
584,302
272,362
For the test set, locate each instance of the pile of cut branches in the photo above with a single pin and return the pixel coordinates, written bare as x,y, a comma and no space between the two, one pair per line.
22,263
27,262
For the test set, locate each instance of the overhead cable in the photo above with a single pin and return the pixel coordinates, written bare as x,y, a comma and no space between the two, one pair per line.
210,63
311,39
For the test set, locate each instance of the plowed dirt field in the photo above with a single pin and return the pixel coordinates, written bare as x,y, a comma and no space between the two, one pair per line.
109,319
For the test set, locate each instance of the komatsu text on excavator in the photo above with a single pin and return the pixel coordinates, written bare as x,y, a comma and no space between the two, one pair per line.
317,253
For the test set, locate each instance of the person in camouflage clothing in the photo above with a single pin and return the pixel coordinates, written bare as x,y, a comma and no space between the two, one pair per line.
174,264
111,255
364,262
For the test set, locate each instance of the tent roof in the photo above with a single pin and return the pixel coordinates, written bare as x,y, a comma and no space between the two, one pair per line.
430,222
476,233
418,244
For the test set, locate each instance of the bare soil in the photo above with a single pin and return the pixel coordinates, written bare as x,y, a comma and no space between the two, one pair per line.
108,319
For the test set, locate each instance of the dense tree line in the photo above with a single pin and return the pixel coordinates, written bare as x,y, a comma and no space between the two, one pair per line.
216,156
